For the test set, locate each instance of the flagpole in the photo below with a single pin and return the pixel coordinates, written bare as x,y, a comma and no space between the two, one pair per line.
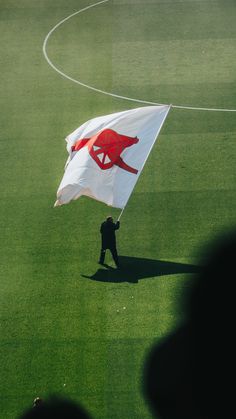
121,214
159,129
169,106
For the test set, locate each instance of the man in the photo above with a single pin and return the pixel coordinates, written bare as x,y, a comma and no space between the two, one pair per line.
108,235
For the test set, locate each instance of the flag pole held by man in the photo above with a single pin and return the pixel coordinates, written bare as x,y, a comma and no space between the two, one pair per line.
108,153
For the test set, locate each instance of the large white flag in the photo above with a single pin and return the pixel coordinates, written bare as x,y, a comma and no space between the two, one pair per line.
108,153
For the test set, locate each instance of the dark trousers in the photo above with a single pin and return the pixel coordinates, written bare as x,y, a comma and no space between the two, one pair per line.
114,255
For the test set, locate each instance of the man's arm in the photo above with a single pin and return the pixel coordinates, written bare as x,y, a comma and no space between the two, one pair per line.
117,225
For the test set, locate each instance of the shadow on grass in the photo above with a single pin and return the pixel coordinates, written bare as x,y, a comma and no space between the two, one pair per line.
132,269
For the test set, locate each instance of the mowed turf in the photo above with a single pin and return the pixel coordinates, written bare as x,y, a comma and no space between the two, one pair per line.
68,326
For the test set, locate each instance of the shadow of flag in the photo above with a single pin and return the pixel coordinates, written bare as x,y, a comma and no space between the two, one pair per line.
133,269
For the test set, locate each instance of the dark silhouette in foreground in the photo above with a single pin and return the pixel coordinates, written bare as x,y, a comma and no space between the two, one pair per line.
55,408
190,375
133,269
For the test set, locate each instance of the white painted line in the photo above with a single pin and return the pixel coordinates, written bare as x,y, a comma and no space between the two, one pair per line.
103,91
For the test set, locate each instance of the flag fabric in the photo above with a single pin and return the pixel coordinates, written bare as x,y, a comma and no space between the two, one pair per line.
108,153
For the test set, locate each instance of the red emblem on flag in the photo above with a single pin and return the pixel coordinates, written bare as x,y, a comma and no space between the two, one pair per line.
106,147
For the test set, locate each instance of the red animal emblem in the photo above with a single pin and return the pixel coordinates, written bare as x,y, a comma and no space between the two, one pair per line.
106,147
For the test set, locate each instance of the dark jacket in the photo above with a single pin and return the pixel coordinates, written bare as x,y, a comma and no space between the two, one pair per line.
107,231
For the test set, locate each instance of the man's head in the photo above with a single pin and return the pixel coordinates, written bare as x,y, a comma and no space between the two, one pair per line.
110,219
37,402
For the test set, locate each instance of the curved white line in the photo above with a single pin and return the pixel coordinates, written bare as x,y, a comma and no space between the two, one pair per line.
103,91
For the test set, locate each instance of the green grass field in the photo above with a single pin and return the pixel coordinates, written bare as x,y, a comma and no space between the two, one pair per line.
68,326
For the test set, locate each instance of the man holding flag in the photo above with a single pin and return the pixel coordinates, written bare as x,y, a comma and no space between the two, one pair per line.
108,236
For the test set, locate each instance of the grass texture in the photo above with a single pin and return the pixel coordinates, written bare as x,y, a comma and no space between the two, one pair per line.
68,326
